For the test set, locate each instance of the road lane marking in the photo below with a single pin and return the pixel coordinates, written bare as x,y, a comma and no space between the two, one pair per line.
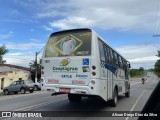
135,104
39,105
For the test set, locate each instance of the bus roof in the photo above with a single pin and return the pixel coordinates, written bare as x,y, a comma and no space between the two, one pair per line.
78,29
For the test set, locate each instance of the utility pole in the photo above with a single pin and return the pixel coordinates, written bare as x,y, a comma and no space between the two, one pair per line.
36,66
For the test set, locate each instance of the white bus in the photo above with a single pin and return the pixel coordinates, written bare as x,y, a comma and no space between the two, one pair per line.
79,63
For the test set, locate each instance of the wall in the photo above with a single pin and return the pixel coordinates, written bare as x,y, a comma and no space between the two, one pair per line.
11,76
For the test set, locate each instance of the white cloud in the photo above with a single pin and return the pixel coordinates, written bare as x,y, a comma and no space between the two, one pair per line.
23,53
106,14
139,55
21,58
47,28
24,46
6,36
138,50
143,59
35,40
72,22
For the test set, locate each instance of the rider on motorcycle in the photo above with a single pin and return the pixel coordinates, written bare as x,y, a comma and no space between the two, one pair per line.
143,80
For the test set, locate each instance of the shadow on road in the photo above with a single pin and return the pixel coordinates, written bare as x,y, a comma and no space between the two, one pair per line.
87,104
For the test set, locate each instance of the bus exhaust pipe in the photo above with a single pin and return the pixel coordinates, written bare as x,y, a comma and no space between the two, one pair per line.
57,93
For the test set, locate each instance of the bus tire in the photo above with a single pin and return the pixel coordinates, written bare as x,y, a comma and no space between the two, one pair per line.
74,97
113,102
127,94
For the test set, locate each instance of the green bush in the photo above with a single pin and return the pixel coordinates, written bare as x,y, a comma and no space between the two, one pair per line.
137,72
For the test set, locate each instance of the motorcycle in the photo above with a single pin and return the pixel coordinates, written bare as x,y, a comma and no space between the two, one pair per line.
143,80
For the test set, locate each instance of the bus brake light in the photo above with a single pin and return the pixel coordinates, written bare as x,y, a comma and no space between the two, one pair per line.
93,73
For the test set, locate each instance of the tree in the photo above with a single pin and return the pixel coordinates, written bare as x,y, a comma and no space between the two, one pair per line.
158,55
157,65
141,69
35,66
137,72
3,51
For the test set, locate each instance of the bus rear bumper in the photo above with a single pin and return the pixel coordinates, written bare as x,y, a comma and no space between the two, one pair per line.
64,89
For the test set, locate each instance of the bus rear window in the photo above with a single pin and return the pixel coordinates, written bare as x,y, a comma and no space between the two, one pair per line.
69,43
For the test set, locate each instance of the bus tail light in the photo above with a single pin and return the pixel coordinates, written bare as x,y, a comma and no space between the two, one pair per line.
48,89
42,72
93,82
42,67
93,67
93,73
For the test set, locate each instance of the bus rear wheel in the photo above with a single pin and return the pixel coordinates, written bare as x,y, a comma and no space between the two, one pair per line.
113,102
74,97
127,94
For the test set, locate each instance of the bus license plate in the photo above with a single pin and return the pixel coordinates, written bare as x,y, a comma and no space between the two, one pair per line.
65,90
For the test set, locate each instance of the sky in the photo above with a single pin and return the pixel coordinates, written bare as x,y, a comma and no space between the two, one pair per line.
126,25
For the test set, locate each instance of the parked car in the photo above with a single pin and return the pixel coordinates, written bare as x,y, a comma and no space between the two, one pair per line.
37,86
19,86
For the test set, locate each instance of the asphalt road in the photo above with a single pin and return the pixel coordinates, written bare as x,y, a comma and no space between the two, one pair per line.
43,101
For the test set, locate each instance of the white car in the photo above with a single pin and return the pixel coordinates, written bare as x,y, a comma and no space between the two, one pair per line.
148,75
37,86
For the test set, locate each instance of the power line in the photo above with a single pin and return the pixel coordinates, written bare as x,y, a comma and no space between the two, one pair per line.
42,48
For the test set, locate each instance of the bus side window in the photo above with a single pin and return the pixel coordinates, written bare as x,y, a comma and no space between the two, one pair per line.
111,53
119,62
107,54
126,70
101,50
123,64
115,59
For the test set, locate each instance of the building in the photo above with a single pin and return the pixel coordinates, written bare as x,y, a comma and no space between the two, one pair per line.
10,73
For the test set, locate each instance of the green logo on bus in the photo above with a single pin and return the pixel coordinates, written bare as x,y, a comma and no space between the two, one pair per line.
65,69
65,62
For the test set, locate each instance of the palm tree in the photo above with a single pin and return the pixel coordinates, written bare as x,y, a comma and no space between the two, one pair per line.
35,66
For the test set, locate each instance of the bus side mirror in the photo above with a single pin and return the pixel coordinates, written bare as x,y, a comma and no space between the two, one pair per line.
129,65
